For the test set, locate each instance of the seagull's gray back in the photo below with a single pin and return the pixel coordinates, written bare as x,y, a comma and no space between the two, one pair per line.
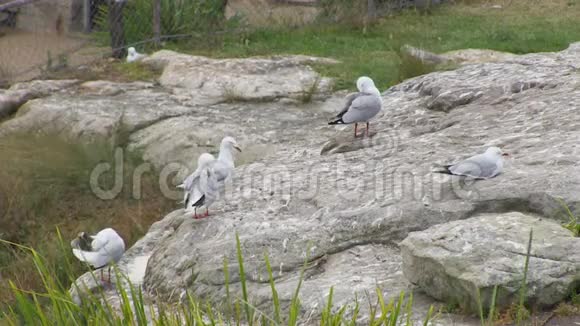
362,108
478,166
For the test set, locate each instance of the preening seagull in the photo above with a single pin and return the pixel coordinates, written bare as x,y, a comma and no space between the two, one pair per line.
481,166
202,187
361,106
100,250
133,55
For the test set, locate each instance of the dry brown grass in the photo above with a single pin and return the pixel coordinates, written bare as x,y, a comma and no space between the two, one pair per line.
267,13
45,185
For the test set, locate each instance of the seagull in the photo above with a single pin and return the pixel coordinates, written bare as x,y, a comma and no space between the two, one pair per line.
100,250
361,106
481,166
201,188
133,55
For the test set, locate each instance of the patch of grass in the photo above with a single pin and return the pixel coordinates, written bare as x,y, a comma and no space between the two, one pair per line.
518,28
135,71
450,308
231,95
53,304
106,70
410,66
45,184
517,312
573,225
567,309
309,92
571,307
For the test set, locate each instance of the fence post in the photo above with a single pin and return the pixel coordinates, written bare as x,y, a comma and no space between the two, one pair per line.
87,16
371,10
157,22
117,31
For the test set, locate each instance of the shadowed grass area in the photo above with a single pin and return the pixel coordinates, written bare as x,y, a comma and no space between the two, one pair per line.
46,184
522,27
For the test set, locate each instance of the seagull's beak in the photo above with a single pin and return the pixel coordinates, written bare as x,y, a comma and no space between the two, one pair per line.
238,148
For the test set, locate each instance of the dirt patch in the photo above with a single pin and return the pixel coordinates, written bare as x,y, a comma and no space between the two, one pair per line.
25,54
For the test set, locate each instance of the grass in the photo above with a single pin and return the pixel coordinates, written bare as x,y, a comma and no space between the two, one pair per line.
573,225
45,184
516,313
522,27
104,70
53,304
309,91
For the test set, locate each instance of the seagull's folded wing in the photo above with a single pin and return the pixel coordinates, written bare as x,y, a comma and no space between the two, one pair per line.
95,259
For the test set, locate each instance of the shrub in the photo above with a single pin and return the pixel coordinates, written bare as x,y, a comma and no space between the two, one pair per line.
179,18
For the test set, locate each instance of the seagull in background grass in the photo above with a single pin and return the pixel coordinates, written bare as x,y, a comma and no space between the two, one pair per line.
133,55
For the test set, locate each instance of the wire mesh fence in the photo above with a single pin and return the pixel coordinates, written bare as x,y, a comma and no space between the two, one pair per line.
39,36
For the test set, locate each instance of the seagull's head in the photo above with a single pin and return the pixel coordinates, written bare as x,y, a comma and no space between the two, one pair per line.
132,51
230,143
496,152
366,85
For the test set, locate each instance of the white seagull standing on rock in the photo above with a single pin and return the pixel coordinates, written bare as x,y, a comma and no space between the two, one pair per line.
100,250
361,106
481,166
133,55
201,188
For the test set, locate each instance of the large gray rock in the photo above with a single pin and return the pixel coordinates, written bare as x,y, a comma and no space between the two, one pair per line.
87,117
376,195
452,261
457,57
211,81
14,97
354,204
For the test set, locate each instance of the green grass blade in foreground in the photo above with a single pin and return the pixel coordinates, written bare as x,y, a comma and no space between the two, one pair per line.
394,317
491,316
230,311
275,299
243,281
521,313
409,310
480,308
355,312
326,317
295,303
428,317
